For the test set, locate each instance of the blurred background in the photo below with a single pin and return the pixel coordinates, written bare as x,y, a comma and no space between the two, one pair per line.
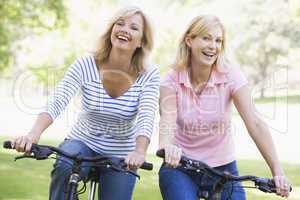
39,39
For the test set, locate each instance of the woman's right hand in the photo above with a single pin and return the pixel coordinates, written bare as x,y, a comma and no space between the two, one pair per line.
172,155
24,143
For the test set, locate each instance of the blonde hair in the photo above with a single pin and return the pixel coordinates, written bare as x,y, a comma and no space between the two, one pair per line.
199,26
138,59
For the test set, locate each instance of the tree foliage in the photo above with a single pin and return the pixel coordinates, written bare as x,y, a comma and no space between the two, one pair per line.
22,18
269,33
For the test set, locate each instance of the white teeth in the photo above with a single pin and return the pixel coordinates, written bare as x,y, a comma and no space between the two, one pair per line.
208,54
122,37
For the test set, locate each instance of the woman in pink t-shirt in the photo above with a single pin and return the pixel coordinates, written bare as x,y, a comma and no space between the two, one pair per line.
195,108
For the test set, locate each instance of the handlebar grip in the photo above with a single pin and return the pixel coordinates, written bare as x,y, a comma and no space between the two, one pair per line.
267,185
147,166
161,153
273,185
7,145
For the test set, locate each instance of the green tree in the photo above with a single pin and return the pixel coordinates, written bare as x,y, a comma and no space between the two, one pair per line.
269,33
22,18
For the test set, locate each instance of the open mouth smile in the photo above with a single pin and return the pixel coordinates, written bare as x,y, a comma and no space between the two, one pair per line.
123,37
208,54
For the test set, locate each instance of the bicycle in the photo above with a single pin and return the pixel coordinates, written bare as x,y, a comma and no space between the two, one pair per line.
213,192
42,152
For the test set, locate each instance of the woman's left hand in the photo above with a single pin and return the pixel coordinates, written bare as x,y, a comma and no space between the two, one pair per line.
134,160
282,185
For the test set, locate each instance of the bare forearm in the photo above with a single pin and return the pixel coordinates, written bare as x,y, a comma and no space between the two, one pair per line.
166,133
261,135
165,139
142,143
263,140
42,122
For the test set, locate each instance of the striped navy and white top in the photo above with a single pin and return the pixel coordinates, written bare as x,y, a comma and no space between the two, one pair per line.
107,125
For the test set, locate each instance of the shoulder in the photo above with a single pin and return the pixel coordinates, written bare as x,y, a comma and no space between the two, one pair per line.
171,73
86,67
171,76
235,73
87,60
151,70
151,73
236,78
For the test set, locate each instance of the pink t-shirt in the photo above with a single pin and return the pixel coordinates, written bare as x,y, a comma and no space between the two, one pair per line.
203,125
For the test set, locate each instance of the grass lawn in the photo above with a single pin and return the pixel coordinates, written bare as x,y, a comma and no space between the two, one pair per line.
290,99
29,179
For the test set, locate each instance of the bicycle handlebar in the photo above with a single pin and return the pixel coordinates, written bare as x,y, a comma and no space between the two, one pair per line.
44,151
263,184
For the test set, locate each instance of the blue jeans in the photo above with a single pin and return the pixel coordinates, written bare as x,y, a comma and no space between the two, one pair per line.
182,184
112,185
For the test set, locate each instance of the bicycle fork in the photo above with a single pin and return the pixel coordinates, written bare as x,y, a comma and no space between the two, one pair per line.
92,190
209,195
215,193
73,184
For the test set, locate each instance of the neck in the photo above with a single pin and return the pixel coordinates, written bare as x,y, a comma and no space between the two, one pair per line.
199,73
119,59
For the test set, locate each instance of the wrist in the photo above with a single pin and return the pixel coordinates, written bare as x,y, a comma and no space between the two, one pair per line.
278,171
140,151
163,146
35,137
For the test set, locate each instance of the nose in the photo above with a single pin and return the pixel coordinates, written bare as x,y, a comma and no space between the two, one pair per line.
212,44
124,29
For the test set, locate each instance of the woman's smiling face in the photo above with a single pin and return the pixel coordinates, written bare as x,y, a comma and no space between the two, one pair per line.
205,48
127,33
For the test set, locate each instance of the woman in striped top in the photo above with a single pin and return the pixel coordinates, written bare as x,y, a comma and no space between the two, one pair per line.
119,98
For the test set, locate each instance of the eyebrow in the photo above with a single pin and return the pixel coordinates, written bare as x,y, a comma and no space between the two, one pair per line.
135,24
212,36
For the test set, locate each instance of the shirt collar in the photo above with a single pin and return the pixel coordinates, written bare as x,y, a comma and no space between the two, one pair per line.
215,78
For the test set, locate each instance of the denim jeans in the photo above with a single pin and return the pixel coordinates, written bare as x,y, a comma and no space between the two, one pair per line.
182,184
112,185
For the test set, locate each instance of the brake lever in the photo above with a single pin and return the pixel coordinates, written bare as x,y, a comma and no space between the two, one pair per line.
133,173
265,185
24,156
266,188
121,169
118,167
189,165
41,153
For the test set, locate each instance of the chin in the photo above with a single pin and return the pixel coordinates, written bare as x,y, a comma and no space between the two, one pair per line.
208,64
121,47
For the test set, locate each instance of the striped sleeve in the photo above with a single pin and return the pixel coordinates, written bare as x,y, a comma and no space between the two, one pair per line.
66,89
148,104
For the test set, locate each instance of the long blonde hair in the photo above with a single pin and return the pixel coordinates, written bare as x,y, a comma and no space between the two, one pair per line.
199,26
138,59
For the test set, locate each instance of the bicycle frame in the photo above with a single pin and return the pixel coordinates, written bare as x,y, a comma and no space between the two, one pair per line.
92,190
